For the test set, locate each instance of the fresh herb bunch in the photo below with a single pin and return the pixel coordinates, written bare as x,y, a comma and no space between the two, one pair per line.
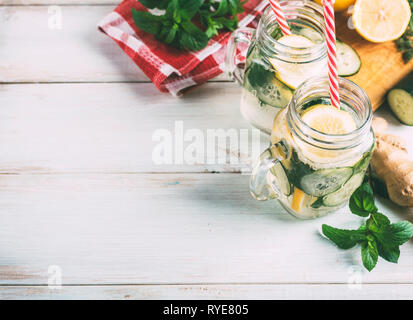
377,236
176,28
404,43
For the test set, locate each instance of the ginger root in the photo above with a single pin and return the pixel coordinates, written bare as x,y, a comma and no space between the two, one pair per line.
391,164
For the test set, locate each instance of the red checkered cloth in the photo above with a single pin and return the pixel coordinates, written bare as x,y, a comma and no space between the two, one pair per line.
169,69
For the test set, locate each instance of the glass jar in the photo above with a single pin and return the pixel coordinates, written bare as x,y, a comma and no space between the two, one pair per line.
311,173
275,66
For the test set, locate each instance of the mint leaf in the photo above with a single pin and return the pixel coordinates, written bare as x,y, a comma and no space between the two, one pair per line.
188,8
362,201
168,33
175,26
402,231
366,188
344,239
173,11
378,237
223,8
377,221
152,4
213,27
369,254
390,254
227,23
193,38
146,21
395,234
236,6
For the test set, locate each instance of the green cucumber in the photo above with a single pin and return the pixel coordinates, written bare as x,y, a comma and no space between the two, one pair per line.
325,181
281,179
317,204
267,88
275,94
344,193
400,100
349,62
363,164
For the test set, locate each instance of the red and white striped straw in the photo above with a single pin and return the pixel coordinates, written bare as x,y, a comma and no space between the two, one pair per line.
330,31
279,15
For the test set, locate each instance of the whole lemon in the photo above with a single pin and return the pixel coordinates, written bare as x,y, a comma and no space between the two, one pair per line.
340,5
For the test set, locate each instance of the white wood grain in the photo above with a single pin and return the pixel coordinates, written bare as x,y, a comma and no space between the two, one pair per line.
108,127
205,292
78,52
169,229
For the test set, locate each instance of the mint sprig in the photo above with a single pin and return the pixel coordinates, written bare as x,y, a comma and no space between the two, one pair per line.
176,28
377,236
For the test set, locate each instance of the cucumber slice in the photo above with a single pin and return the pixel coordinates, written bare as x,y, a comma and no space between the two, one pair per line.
363,164
311,34
349,62
325,181
267,88
317,204
296,169
344,193
281,179
401,103
275,94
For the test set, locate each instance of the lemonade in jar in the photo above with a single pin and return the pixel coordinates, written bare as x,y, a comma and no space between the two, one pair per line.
319,154
276,64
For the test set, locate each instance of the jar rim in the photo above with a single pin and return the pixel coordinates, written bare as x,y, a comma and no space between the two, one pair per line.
323,140
285,52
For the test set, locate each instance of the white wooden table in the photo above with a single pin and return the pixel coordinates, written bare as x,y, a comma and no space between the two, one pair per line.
81,197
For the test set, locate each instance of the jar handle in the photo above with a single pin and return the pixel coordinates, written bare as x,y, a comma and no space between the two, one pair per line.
241,35
260,188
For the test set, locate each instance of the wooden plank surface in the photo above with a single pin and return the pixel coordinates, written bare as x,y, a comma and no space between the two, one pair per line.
110,127
227,292
169,229
382,64
77,52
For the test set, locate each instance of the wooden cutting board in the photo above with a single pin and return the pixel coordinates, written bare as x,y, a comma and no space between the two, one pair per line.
382,65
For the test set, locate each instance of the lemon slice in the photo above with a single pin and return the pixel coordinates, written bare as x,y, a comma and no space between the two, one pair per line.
381,20
329,120
339,5
295,41
289,73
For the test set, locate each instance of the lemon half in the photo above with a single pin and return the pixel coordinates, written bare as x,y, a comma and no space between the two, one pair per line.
381,20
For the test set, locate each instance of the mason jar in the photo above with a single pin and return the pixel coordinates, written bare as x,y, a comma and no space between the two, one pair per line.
276,65
311,173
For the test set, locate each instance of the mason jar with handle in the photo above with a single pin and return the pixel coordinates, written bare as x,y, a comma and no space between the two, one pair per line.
312,173
276,64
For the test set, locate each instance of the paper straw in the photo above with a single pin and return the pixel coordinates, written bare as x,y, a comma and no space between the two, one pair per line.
330,31
279,15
